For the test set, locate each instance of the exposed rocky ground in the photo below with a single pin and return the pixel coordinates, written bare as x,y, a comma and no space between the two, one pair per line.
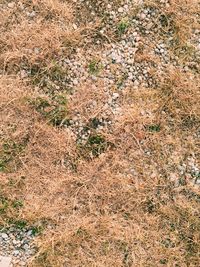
100,133
17,244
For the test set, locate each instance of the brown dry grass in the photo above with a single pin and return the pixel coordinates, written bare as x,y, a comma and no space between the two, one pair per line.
99,212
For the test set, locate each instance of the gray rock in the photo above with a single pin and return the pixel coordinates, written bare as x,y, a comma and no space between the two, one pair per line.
16,253
4,236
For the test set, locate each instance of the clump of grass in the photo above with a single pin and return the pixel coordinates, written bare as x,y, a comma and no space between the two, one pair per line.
3,205
122,27
53,110
153,128
19,224
36,230
9,154
17,204
94,67
49,79
95,145
9,209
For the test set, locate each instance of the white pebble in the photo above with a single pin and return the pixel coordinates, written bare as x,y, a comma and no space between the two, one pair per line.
4,235
11,4
115,95
120,10
142,16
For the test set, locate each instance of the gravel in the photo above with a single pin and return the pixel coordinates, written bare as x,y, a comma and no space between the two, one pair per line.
16,246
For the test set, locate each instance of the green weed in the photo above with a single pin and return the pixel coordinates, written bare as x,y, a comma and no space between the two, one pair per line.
3,205
122,27
54,110
154,128
49,79
94,67
9,152
17,204
95,145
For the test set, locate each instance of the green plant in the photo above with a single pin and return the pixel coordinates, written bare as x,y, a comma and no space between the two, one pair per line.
154,128
10,150
54,110
20,224
2,165
49,79
94,67
3,205
122,27
36,230
17,204
95,145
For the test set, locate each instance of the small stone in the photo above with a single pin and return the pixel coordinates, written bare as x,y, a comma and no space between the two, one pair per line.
115,95
26,246
130,76
32,14
4,236
15,253
11,4
120,10
75,82
136,83
36,50
142,16
22,263
15,242
75,26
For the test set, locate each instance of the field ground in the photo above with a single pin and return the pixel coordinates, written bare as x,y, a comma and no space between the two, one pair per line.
99,133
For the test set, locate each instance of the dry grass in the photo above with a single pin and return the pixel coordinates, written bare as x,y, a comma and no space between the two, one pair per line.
118,209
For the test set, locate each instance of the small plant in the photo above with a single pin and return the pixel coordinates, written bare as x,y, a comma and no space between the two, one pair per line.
122,27
95,145
49,79
150,206
9,209
17,204
20,224
57,73
121,80
94,67
94,123
154,128
9,153
163,261
36,230
105,247
3,205
164,20
82,233
55,110
2,165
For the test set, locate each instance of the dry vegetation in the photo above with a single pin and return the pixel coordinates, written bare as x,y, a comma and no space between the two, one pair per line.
92,208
